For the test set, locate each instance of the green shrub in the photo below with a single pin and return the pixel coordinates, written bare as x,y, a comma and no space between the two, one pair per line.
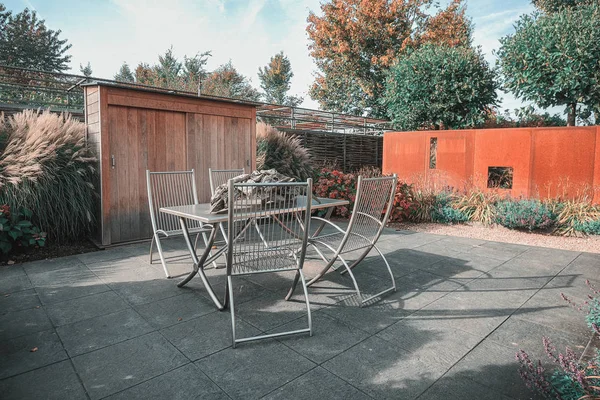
444,212
284,153
524,214
478,205
16,230
587,227
45,167
574,214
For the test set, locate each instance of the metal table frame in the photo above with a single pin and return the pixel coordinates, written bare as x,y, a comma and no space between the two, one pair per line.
201,212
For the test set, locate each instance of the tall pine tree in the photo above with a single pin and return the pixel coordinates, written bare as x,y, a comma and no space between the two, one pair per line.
124,74
86,70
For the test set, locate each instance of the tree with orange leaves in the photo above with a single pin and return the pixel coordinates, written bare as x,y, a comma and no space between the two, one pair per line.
355,42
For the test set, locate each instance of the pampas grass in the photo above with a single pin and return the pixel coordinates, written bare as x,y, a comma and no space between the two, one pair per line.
282,152
46,168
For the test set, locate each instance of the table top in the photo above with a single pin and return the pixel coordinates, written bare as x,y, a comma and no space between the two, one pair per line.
201,212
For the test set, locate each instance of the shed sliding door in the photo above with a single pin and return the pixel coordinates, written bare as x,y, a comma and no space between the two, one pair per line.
140,139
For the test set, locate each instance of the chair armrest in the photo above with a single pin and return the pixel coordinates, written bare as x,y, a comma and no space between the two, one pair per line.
370,216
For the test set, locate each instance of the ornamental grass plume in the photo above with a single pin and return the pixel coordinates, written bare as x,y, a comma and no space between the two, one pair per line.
284,153
46,167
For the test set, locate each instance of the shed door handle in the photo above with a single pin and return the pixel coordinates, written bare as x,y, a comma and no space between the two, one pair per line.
112,161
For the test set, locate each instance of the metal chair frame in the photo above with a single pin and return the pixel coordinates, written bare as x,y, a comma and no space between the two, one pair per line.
283,241
218,177
362,233
165,189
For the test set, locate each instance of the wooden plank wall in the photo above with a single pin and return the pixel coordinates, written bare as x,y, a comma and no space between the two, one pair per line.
163,133
92,119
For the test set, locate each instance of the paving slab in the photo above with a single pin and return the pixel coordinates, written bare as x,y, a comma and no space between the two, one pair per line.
330,337
318,383
383,371
105,330
494,366
439,338
520,334
57,381
118,367
209,334
13,279
70,311
461,388
254,369
176,309
21,300
23,322
29,352
187,382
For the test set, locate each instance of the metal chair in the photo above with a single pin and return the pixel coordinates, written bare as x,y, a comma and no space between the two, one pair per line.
218,177
167,189
374,199
282,245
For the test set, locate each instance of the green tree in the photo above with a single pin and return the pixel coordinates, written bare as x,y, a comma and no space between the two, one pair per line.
554,59
194,71
26,42
86,70
355,42
171,73
226,81
124,74
550,6
441,87
275,80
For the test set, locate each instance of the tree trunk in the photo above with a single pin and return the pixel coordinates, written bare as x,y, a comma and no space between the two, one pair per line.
571,111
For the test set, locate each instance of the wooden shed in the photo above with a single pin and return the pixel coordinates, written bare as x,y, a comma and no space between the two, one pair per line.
132,129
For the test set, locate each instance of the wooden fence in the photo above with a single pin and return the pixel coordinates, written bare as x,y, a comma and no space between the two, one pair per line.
348,152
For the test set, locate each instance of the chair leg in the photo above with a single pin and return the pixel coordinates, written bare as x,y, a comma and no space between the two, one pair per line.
305,288
351,275
390,289
162,257
359,259
151,248
231,310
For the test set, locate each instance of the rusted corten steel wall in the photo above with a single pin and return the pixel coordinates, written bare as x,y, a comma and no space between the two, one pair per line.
545,162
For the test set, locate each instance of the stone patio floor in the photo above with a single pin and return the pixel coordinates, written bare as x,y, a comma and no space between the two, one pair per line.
109,325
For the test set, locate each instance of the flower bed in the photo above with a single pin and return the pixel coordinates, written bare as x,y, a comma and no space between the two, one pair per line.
421,203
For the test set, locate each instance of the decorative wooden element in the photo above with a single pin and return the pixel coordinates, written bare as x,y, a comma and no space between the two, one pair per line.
132,130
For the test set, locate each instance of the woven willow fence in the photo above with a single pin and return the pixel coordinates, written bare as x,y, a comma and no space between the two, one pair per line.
347,152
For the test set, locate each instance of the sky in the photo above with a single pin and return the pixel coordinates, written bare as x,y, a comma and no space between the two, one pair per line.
248,32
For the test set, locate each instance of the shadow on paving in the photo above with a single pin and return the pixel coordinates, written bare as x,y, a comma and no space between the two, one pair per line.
108,324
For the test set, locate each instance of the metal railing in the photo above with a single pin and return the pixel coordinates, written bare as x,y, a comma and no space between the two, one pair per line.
22,88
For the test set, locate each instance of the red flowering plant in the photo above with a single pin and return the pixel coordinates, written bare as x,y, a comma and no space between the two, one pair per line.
335,184
404,203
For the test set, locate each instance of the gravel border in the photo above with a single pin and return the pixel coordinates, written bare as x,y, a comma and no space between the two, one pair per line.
590,244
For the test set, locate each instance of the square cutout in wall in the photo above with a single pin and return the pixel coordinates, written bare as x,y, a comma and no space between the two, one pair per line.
500,177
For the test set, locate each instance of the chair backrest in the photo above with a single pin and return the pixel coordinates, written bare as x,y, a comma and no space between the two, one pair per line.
268,225
168,189
372,207
218,177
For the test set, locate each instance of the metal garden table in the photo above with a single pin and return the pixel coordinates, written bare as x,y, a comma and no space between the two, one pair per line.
201,212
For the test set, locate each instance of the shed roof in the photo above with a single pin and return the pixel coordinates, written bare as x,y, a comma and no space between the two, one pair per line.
154,89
